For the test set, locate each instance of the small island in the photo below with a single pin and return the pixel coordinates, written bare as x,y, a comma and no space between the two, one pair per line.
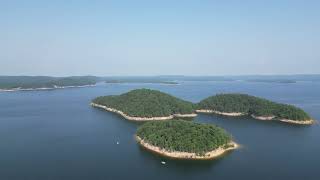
258,108
184,139
145,105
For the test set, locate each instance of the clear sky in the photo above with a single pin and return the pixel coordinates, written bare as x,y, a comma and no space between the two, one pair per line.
164,37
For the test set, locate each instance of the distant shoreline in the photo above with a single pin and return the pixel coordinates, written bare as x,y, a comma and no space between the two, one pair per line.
187,155
143,118
44,88
262,118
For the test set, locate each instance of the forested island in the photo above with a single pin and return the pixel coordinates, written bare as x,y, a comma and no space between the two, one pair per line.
14,83
184,139
145,105
258,108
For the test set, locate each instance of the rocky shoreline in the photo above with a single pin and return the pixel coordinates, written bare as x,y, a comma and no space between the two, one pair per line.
262,118
143,118
186,155
269,118
220,113
305,122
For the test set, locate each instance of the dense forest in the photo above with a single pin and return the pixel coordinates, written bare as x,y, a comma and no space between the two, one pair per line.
32,82
146,103
252,105
184,136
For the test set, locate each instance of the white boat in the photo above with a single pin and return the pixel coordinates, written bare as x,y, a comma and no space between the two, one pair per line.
163,162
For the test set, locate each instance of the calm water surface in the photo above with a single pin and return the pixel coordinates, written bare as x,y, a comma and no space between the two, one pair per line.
56,135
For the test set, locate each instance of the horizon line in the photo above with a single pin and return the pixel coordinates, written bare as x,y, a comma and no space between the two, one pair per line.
181,75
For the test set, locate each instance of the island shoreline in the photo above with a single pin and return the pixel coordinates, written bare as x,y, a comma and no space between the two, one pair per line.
186,155
208,111
290,121
124,115
306,122
262,118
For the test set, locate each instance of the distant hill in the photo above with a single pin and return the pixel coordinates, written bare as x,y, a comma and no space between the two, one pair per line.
34,82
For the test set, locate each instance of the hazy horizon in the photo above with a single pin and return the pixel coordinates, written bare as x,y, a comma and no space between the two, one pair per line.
169,75
143,38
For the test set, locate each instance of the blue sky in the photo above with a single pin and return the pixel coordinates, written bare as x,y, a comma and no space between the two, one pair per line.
159,37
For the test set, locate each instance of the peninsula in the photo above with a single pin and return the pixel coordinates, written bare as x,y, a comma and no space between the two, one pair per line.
27,83
258,108
145,105
184,139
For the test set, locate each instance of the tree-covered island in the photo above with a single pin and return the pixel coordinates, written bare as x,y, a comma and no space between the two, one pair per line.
145,105
184,139
258,108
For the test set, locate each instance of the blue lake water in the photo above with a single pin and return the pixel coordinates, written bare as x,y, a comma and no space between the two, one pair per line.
56,135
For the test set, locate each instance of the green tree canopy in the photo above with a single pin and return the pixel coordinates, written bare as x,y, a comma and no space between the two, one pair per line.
252,105
146,103
184,136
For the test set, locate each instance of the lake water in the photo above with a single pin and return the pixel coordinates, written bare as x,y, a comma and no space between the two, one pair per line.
56,135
